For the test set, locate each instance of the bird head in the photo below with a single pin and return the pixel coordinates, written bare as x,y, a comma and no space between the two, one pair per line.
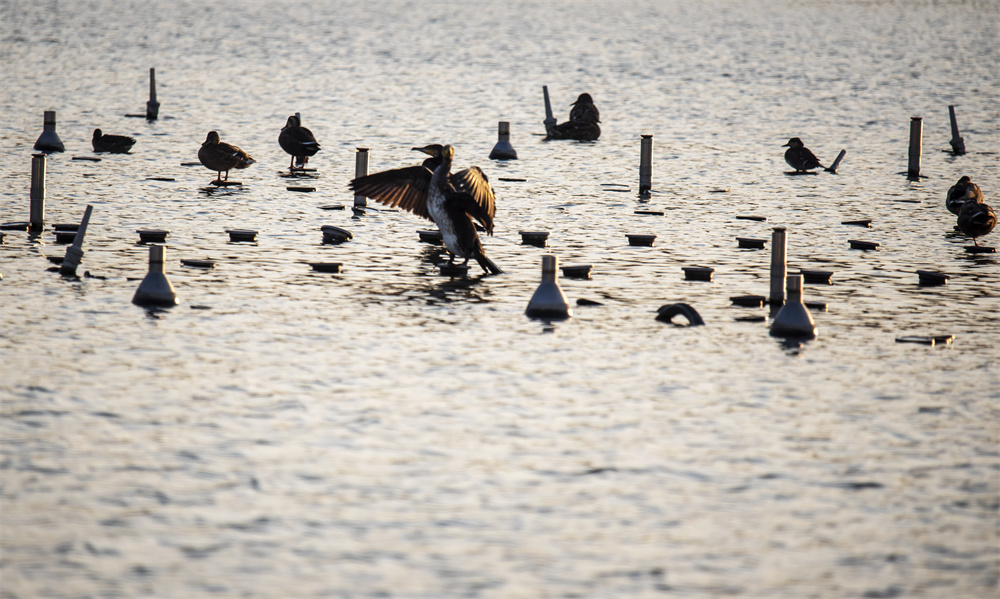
794,142
448,152
583,99
293,121
97,133
434,150
213,138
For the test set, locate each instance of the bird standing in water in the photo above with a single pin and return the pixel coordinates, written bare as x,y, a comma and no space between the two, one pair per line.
297,141
221,157
962,192
116,144
976,219
799,157
451,200
582,124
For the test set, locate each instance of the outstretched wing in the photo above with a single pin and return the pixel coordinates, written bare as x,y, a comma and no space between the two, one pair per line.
481,202
405,188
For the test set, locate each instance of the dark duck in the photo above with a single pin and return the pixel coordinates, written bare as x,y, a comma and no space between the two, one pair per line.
582,124
976,219
116,144
221,157
454,201
297,141
962,192
799,157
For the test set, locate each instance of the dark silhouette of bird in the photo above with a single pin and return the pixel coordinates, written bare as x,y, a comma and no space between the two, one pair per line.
116,144
452,200
960,193
799,157
976,219
297,141
582,124
221,157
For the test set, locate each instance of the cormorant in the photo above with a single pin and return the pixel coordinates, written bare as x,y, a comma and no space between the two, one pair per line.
220,156
582,124
976,219
451,200
297,141
116,144
799,157
960,193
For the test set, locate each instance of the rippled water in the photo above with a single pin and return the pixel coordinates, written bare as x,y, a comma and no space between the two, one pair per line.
389,432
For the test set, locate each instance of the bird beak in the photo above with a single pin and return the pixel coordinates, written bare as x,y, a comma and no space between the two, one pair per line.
786,146
425,150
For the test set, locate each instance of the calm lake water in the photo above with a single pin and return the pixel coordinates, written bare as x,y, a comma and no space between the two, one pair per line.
391,432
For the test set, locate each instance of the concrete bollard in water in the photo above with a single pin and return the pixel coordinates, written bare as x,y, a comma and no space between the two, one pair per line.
361,170
155,289
550,121
548,300
49,140
779,268
794,319
957,143
916,143
503,150
152,107
37,211
74,253
646,164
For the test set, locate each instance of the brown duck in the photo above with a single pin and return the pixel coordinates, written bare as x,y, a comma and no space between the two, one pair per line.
116,144
221,157
297,141
582,124
976,219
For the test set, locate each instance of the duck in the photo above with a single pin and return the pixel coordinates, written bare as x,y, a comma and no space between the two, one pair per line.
116,144
799,157
962,192
582,124
453,201
976,219
298,141
219,156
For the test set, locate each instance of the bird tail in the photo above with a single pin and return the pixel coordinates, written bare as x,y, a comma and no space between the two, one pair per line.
487,264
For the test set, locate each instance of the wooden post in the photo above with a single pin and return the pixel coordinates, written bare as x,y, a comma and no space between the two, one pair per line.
361,170
37,219
957,143
916,142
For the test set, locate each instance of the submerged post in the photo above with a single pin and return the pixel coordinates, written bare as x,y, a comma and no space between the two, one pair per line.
548,300
155,289
74,253
503,150
37,219
152,107
794,319
778,266
49,140
916,142
550,121
360,170
646,164
957,143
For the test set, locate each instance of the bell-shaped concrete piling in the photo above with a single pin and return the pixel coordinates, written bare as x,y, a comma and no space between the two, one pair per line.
548,301
49,140
503,150
37,212
155,289
794,319
74,253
